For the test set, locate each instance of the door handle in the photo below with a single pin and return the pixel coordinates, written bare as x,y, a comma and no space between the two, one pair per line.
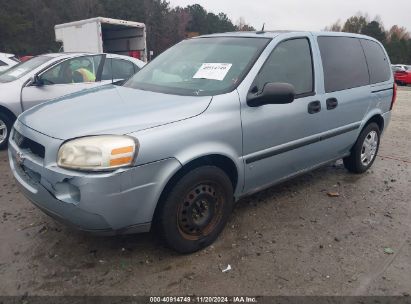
332,103
314,107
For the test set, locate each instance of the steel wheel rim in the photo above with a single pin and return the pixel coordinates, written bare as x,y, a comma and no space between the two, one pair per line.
3,131
200,211
369,148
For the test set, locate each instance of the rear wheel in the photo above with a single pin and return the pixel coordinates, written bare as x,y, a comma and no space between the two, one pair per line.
5,126
196,210
365,150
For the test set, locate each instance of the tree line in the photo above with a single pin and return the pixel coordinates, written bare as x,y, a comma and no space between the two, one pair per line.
396,40
27,26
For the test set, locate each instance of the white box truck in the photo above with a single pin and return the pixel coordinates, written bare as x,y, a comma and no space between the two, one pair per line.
104,35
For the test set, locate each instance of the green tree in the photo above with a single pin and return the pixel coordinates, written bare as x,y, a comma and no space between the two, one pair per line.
355,24
198,22
399,49
374,29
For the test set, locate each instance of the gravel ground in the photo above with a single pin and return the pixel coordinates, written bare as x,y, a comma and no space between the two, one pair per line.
292,239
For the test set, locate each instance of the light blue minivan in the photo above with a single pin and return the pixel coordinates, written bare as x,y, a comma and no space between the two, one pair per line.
210,120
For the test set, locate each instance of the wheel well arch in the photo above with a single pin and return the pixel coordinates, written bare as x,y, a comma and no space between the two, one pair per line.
378,119
220,161
223,162
8,112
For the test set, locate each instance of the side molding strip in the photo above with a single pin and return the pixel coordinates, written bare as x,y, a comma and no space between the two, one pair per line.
382,90
323,136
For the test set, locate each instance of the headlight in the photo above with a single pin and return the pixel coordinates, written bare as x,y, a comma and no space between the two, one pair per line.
96,153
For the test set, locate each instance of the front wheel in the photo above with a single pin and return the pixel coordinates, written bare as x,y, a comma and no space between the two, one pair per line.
5,127
196,209
365,150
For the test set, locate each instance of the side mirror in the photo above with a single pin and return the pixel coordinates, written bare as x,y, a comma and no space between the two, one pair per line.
272,93
36,81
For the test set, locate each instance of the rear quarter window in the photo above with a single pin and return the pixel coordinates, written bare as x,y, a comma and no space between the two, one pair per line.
122,69
344,63
377,61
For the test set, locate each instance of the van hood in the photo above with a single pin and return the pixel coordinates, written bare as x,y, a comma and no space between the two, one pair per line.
110,110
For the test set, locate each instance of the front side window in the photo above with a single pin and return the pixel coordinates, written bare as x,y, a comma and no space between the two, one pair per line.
344,63
290,62
74,70
2,63
21,69
200,66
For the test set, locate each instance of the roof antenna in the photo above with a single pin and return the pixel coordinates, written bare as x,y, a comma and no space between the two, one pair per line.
262,30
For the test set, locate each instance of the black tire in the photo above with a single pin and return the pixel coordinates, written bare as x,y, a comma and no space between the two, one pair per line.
196,209
6,121
353,163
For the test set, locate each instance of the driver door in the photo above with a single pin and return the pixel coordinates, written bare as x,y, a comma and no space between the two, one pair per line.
63,79
279,139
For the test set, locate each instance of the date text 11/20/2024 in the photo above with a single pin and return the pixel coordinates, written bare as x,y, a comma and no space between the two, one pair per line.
200,299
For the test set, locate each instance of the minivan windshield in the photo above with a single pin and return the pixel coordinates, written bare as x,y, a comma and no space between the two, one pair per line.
23,68
200,66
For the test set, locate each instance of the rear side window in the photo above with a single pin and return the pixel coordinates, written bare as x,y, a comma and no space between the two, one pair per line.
122,69
2,63
377,61
343,63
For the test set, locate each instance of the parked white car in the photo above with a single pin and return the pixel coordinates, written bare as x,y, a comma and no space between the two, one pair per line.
51,76
400,67
7,61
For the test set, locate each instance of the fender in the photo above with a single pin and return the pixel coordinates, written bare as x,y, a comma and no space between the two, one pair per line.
204,149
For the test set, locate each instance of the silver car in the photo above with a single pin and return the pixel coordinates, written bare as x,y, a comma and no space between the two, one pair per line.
211,120
54,75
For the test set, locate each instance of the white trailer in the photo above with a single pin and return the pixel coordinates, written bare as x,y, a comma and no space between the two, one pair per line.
104,35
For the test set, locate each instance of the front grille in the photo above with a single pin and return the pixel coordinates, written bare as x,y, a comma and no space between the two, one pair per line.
26,143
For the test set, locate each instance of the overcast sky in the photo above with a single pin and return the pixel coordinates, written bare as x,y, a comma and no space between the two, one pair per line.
311,15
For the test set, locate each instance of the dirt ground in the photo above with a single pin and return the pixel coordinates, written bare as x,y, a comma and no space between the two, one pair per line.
292,239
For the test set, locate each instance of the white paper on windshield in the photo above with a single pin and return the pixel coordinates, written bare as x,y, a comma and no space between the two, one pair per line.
215,71
17,72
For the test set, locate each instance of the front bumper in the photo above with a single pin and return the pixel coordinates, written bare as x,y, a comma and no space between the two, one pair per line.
116,202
